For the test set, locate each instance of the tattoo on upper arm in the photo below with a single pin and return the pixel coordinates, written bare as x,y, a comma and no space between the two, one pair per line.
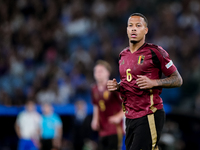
174,80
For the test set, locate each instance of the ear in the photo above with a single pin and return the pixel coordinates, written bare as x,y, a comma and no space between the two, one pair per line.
146,30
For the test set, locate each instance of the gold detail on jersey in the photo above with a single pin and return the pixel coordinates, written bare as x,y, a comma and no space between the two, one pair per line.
153,131
123,107
106,94
102,105
153,109
128,75
151,121
141,59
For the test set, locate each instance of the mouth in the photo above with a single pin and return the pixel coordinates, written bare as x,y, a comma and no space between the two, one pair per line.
133,35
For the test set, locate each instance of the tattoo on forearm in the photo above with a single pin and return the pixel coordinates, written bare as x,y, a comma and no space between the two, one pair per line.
174,80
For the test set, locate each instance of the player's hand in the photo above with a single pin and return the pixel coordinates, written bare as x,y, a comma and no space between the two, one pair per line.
114,119
95,125
144,82
112,85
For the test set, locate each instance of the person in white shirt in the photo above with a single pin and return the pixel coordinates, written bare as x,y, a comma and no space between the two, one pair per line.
27,127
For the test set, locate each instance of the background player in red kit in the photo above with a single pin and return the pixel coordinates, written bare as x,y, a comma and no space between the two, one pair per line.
141,66
107,113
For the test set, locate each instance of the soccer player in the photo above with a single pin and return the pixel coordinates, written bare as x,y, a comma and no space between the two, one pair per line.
141,66
107,110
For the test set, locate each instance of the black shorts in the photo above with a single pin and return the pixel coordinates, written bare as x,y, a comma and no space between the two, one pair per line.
144,133
46,144
112,142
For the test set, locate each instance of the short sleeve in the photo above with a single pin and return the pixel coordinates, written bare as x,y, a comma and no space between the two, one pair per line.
166,64
58,120
18,120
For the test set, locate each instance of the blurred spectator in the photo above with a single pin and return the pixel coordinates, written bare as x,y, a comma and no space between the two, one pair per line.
20,98
5,98
81,56
100,10
82,134
27,127
48,93
16,65
51,129
65,90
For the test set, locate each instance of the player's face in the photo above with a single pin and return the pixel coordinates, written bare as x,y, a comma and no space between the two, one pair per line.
136,29
101,73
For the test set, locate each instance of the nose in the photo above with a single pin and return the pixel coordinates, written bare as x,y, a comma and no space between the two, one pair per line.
134,29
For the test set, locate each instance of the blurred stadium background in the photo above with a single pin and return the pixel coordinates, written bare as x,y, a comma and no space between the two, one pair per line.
48,49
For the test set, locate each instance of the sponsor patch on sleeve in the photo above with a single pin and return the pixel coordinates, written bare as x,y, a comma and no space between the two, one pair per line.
169,64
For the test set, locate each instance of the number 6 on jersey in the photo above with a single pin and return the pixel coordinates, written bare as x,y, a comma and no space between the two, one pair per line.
128,75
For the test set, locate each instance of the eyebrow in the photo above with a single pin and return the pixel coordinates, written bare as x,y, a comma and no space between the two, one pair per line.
136,23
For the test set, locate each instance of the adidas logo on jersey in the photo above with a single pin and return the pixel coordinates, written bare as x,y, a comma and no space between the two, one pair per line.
122,62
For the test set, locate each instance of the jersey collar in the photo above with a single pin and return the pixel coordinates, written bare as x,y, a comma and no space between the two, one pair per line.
140,47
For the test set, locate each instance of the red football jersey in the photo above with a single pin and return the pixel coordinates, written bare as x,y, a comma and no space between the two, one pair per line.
109,104
149,60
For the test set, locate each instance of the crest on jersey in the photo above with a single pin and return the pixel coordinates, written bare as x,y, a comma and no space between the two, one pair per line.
106,94
141,59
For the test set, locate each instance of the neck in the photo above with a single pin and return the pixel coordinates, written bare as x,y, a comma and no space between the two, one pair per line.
135,46
48,114
101,85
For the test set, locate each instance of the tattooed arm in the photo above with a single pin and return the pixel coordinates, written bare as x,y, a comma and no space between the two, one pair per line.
174,80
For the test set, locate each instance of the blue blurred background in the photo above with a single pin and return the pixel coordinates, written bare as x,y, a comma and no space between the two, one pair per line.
48,49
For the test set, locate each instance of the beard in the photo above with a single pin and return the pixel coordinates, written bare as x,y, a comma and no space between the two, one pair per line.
134,42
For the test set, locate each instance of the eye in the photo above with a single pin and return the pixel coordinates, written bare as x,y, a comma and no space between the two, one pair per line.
130,25
139,25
